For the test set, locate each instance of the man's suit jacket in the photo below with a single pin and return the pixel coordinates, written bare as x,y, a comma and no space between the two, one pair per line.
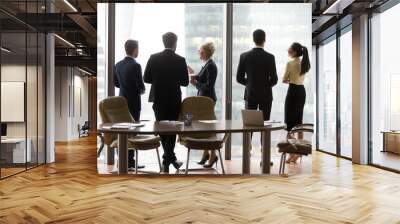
257,71
128,78
206,80
167,72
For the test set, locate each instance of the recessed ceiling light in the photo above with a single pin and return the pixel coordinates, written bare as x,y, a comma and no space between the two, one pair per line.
84,71
5,50
70,5
338,6
64,40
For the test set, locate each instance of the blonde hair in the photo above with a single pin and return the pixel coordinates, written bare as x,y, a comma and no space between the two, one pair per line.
209,49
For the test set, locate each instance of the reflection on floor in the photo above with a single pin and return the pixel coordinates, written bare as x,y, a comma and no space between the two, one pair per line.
387,159
10,171
234,166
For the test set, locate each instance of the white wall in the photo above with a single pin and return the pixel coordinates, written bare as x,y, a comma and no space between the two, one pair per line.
71,102
12,73
33,126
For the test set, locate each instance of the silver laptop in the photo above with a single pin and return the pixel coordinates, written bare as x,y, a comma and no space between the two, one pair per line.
252,118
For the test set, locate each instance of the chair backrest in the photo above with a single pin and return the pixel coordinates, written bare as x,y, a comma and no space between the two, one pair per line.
86,125
113,110
202,108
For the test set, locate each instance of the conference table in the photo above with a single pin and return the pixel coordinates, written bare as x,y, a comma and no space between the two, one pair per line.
214,126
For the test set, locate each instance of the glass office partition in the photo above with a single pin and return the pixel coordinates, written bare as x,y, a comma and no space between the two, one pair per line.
346,94
22,92
282,29
102,47
41,97
14,153
41,86
327,96
385,89
32,97
32,91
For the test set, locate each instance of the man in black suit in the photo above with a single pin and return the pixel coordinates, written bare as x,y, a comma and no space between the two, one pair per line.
167,72
128,78
257,71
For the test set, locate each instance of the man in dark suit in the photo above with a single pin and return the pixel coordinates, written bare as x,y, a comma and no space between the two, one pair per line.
128,78
167,72
257,71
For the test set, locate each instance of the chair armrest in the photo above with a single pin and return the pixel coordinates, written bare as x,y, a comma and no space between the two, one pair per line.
297,130
304,126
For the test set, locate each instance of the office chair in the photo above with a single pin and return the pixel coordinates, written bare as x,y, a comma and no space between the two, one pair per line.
202,108
295,146
115,110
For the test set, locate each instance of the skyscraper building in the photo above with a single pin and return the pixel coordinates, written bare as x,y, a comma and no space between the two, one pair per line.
203,23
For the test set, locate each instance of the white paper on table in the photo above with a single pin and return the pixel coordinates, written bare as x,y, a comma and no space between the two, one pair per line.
126,125
209,121
270,122
170,122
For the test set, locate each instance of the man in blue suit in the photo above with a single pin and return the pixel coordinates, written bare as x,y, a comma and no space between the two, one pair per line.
128,78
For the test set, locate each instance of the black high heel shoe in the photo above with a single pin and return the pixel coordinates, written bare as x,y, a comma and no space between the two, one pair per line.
204,159
177,164
211,163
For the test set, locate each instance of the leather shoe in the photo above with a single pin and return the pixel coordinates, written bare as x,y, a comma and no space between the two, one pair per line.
165,168
271,164
177,164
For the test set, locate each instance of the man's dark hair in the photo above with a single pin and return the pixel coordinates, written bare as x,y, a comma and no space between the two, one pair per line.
169,39
131,46
259,37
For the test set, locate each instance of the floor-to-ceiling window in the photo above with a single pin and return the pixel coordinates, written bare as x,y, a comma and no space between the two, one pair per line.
282,29
22,87
194,24
346,93
102,47
385,89
334,98
327,95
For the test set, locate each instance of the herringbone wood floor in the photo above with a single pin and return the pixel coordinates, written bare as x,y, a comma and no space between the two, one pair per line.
70,191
